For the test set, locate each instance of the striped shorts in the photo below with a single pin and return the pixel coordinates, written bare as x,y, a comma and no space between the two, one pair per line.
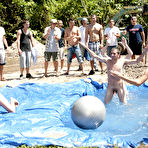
94,46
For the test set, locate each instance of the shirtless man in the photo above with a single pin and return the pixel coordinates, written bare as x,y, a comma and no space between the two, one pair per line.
95,33
72,35
115,63
138,81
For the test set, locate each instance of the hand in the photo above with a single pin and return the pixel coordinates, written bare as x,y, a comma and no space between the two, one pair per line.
124,41
143,44
101,46
55,37
114,33
49,30
19,51
6,51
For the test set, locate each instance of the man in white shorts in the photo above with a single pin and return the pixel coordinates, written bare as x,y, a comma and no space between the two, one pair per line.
24,41
61,44
2,51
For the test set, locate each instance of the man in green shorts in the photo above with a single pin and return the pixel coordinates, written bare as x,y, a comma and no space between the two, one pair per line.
52,34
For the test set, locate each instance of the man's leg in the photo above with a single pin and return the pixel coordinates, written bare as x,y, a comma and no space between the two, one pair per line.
122,95
22,63
45,66
1,72
79,58
101,66
108,95
62,64
56,67
61,56
70,53
28,64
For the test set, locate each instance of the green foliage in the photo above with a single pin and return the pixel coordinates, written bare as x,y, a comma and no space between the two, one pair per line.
39,13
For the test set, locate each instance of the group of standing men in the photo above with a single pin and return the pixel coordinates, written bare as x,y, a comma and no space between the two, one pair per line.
92,35
57,38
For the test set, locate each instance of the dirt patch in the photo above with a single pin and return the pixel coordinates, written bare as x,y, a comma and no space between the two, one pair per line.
11,70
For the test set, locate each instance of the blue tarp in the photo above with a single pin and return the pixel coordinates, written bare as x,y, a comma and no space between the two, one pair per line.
44,116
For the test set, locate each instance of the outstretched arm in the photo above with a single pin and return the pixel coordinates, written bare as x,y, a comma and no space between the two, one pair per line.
129,51
100,58
136,82
10,107
135,61
143,54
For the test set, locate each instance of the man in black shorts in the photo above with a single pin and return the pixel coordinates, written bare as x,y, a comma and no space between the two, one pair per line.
136,37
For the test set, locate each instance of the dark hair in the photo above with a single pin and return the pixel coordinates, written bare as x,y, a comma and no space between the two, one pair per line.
71,19
24,21
118,51
93,15
21,24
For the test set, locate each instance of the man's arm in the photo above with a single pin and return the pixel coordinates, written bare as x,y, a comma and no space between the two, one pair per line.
66,36
136,82
18,41
135,61
58,35
101,37
46,32
100,58
143,38
31,39
5,42
86,35
129,51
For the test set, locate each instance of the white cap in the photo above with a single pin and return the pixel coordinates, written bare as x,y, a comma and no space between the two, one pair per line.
53,21
84,19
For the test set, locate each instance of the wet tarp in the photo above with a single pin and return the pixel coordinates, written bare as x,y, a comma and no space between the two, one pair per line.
43,116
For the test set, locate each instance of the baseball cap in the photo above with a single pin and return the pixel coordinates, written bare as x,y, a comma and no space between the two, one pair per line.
53,21
84,19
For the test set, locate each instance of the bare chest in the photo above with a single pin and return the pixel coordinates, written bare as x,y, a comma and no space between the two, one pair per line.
118,66
95,29
73,31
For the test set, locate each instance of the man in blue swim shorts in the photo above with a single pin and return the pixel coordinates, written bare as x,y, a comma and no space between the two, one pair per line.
72,35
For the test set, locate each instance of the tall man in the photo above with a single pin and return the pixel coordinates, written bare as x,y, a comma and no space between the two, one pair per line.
24,37
111,34
73,36
52,35
95,33
136,37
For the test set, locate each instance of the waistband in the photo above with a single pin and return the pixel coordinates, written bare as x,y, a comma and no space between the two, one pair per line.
69,46
94,42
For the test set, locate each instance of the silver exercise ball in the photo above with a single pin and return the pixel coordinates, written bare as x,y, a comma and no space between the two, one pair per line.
88,112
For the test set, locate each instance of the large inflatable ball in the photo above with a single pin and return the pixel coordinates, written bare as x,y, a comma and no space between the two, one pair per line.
88,112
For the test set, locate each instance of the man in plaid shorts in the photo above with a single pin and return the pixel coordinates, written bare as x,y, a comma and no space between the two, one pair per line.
95,33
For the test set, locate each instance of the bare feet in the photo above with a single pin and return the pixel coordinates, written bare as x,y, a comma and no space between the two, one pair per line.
57,74
3,79
45,76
